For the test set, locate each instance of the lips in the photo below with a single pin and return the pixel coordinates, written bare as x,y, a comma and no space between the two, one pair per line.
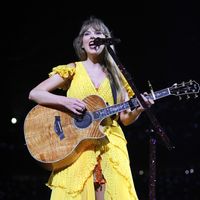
91,43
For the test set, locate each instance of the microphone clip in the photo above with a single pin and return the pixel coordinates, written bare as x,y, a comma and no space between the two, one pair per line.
105,41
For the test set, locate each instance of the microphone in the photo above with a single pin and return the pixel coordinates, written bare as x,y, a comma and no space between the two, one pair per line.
105,41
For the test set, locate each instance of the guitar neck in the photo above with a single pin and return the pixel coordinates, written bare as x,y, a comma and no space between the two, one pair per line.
160,94
132,103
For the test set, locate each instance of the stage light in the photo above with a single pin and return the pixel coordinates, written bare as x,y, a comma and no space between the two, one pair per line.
191,171
141,172
187,172
14,120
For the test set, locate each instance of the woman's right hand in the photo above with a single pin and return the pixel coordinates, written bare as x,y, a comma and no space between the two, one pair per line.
74,105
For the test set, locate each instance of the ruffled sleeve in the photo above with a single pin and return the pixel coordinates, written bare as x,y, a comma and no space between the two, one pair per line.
65,71
127,87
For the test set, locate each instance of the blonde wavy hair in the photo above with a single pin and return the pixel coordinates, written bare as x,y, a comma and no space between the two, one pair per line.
114,74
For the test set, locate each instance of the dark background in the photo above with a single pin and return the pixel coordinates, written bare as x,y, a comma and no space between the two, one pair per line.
159,42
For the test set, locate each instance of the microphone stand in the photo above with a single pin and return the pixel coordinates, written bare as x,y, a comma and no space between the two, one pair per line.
156,125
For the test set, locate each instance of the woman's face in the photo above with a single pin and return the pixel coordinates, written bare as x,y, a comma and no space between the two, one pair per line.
88,38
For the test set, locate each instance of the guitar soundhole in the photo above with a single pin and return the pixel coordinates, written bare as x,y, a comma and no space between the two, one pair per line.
83,121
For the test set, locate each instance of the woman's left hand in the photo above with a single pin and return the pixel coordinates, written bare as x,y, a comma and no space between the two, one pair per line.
149,102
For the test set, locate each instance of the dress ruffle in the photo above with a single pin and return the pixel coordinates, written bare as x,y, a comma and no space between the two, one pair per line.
64,71
73,178
121,162
127,87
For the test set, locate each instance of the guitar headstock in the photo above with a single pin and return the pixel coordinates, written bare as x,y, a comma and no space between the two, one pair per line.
185,88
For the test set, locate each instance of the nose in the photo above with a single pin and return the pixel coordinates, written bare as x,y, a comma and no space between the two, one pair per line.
92,37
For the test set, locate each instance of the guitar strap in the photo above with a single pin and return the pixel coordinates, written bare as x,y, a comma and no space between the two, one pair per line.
114,91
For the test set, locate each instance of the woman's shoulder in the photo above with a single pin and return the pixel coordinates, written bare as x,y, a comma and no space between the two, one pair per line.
63,66
64,70
73,64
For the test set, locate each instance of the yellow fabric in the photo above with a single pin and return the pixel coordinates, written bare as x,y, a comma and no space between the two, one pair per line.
76,181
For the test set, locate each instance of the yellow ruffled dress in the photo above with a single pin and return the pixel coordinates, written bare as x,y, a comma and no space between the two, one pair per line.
76,181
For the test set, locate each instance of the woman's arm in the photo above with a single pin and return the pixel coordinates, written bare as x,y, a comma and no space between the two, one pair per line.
127,117
42,94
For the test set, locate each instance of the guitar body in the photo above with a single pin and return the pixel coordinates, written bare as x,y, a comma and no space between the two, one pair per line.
56,139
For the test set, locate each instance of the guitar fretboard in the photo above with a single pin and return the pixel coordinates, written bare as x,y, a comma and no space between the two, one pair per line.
110,110
130,104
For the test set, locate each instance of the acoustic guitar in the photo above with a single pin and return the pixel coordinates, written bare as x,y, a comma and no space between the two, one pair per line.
56,139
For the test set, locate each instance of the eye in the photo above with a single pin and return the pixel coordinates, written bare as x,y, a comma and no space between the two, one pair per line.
99,33
86,33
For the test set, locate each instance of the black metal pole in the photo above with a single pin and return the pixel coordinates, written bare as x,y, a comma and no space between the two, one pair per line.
151,116
155,123
152,165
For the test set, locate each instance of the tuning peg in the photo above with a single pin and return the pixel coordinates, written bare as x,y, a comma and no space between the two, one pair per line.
188,96
180,98
196,95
